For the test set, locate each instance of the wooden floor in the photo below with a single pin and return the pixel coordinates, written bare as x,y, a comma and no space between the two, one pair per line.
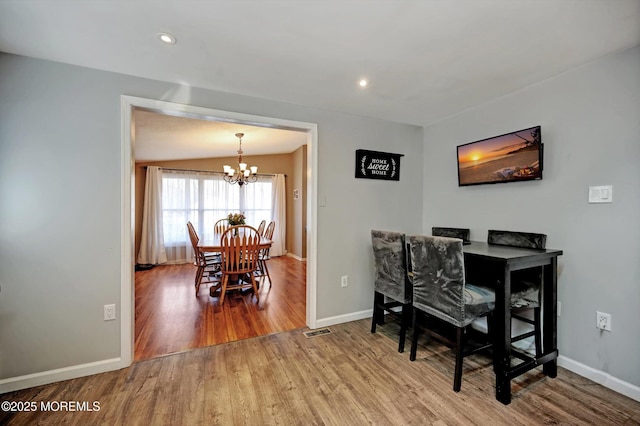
170,318
347,377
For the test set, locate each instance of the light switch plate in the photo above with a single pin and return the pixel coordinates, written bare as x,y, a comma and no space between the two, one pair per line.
601,194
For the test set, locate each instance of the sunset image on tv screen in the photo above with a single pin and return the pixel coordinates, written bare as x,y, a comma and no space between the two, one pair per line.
510,157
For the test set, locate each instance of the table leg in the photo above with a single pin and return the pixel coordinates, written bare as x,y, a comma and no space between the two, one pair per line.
550,316
502,337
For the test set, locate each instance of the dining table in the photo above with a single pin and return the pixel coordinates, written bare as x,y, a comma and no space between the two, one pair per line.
491,265
212,244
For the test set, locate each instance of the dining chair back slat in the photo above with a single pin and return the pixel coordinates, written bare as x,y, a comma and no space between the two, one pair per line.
221,225
261,227
264,255
268,233
207,264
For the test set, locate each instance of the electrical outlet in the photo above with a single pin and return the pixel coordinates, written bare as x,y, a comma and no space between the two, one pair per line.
109,312
344,281
603,321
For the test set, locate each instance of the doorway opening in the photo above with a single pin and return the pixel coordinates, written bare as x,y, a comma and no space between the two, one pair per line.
128,192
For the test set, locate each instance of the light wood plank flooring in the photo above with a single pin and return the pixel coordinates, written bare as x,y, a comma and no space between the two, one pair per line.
170,318
347,377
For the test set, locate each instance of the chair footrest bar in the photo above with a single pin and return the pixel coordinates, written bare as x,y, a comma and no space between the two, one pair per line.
523,336
524,319
530,362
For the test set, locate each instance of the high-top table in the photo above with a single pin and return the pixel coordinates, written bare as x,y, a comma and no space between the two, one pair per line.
492,265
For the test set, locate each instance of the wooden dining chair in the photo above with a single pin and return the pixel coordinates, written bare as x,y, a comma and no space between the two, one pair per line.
392,287
525,283
261,227
221,225
263,269
208,264
240,250
442,295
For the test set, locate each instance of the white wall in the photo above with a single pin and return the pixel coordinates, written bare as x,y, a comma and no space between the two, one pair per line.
590,119
60,205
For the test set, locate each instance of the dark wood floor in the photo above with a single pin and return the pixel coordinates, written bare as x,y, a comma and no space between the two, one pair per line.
170,318
347,377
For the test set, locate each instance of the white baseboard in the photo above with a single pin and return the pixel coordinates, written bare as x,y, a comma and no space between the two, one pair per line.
45,377
297,257
354,316
600,377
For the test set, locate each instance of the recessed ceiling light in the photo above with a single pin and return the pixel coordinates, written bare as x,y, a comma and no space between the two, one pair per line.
166,38
363,82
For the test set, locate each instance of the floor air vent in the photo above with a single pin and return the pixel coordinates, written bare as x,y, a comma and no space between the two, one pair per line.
319,332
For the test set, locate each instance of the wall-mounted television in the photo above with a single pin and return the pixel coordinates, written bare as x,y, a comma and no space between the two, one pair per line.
511,157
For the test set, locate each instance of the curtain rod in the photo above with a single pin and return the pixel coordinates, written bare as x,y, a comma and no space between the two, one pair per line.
208,171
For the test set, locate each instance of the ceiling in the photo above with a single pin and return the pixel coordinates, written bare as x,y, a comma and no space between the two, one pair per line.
165,137
425,60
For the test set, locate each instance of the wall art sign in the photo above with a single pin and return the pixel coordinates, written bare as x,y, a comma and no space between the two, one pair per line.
377,165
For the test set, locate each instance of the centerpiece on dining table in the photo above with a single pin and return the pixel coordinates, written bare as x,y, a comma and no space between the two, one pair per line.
236,219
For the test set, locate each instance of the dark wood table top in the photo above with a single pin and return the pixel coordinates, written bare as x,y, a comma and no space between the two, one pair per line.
507,253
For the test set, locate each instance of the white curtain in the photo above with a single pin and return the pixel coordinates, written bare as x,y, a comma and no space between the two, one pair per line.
152,250
256,199
279,215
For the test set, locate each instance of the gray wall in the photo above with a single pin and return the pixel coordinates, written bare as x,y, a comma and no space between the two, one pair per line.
590,119
60,205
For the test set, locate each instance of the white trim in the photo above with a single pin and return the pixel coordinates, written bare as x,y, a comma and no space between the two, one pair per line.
312,223
339,319
127,264
45,377
127,299
298,258
600,377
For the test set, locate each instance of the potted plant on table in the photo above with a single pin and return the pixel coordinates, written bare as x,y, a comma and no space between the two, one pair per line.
236,219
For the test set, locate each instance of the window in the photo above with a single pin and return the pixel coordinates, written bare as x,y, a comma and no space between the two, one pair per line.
256,200
203,198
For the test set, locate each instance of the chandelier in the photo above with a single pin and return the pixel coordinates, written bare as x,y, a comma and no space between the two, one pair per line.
243,174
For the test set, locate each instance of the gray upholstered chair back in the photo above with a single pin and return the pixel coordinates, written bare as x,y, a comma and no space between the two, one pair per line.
517,239
389,255
462,233
438,277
